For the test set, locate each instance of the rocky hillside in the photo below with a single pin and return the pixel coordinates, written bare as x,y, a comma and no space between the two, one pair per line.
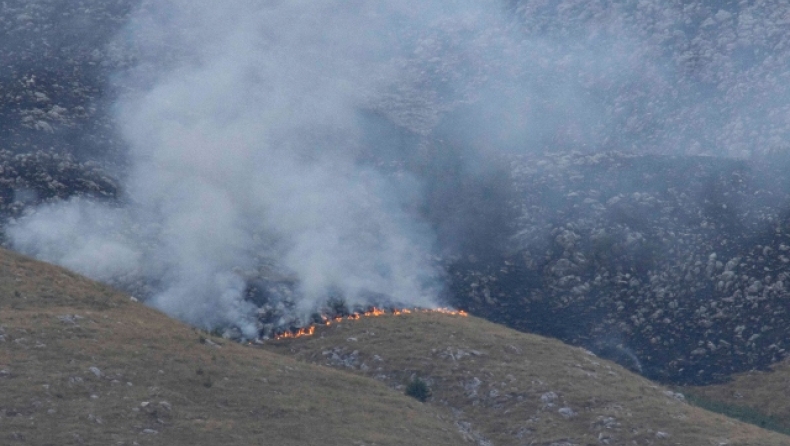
55,78
83,364
674,266
57,138
620,239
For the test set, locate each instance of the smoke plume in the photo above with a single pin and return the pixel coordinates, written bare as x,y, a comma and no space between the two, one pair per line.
247,153
343,144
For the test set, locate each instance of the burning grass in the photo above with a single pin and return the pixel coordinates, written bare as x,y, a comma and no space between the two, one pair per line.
326,321
83,364
511,388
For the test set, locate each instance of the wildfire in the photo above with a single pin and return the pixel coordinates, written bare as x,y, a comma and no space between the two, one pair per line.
373,312
304,331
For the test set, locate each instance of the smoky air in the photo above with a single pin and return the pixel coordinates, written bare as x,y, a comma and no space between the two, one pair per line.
282,158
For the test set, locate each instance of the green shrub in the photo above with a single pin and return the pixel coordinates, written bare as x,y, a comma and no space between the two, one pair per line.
418,389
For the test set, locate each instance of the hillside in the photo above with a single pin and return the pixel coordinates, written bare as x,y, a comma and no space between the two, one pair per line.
673,266
595,221
761,396
83,364
613,176
511,388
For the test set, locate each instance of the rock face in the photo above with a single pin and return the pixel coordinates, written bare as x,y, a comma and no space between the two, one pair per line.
678,76
674,266
55,76
56,134
30,179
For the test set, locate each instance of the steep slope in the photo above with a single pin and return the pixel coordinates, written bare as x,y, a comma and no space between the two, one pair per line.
83,364
511,388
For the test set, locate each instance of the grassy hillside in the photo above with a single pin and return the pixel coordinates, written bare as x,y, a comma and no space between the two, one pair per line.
762,397
82,364
511,388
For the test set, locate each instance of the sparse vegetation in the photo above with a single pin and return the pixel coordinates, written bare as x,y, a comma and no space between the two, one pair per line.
492,381
743,413
81,366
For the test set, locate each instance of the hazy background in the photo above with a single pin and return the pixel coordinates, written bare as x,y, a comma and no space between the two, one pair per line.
346,144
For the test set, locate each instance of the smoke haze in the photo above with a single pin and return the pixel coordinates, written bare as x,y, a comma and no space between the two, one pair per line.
327,141
245,147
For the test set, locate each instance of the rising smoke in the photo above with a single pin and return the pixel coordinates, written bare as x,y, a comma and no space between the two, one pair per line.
246,149
338,142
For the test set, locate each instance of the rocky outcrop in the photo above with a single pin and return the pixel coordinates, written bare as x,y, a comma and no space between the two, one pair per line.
55,88
31,179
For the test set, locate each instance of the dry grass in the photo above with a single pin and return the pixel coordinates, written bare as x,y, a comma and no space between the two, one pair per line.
766,393
510,387
158,384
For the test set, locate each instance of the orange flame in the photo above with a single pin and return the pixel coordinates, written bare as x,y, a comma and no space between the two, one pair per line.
373,312
304,331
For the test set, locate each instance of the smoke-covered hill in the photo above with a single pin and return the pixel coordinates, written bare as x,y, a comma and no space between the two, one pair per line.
610,173
83,364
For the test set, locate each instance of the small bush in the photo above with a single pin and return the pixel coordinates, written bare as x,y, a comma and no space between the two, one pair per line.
418,389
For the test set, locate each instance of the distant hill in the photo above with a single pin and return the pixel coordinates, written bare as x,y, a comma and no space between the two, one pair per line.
593,223
674,266
562,182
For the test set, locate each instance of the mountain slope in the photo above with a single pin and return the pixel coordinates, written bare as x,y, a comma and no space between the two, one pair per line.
672,266
82,364
511,388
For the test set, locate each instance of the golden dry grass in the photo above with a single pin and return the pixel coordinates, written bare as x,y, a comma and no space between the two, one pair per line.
765,392
158,384
513,388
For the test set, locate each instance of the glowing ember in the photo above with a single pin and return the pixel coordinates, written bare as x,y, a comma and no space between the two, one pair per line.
373,312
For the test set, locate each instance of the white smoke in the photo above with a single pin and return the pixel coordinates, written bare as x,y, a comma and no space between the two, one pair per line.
255,144
245,147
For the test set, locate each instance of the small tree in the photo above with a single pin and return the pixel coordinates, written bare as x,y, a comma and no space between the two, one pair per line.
418,389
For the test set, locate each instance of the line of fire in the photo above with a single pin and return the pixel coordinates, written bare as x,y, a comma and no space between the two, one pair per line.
372,312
